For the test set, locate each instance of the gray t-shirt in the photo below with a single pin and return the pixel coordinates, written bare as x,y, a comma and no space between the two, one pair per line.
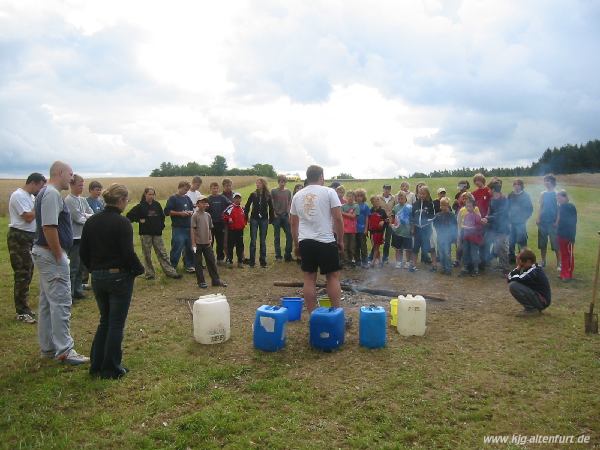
50,209
282,200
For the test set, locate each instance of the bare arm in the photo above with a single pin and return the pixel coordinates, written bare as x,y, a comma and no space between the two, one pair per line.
294,222
338,226
28,216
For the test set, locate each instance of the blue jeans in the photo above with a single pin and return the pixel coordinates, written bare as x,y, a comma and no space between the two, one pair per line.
518,236
75,268
280,222
255,225
113,295
422,240
443,248
180,242
470,255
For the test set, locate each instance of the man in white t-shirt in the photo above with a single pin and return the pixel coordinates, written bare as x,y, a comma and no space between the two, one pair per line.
194,192
20,237
318,235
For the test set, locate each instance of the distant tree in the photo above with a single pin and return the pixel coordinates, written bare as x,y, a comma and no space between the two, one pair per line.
344,176
264,170
218,166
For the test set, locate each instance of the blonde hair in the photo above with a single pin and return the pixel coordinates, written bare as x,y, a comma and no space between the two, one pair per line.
401,194
445,201
340,189
375,197
360,192
426,189
350,194
114,193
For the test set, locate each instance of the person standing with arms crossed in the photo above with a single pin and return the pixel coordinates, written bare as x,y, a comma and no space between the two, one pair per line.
19,239
54,238
318,233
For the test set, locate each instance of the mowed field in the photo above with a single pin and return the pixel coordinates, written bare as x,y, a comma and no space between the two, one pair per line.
478,371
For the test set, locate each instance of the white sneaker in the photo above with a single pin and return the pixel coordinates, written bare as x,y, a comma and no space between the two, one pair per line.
25,318
558,268
399,265
73,358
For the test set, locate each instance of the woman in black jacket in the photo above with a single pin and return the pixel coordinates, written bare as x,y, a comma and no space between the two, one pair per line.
106,249
149,214
259,213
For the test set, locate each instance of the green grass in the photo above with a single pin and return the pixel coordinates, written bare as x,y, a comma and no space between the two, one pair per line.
477,371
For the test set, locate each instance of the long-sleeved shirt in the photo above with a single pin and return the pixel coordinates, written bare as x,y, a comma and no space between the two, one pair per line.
80,211
217,204
498,215
520,207
107,243
535,279
150,216
97,204
567,222
422,213
445,226
282,201
261,206
483,196
472,228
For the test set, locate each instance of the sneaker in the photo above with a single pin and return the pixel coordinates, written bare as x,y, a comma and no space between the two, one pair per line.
398,265
86,287
190,270
263,266
407,265
25,318
203,285
72,358
412,269
219,283
475,273
433,269
175,276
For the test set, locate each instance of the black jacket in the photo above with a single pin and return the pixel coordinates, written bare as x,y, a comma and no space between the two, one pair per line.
150,217
535,279
261,205
107,243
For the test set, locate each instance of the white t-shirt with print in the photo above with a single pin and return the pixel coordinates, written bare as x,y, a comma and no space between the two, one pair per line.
313,205
21,202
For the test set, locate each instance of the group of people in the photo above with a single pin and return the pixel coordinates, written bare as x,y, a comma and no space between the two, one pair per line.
73,239
482,225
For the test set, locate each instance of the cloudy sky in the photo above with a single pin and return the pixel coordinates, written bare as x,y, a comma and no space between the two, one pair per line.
371,88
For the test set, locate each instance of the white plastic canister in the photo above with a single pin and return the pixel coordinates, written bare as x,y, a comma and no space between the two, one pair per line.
412,312
211,319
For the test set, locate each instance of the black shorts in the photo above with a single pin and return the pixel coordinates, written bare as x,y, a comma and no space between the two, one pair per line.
315,255
402,243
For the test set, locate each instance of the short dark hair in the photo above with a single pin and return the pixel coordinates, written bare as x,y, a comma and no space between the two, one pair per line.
94,185
551,179
526,255
495,186
35,177
313,173
183,184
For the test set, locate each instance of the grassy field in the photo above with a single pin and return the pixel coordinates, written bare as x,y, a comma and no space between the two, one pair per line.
478,371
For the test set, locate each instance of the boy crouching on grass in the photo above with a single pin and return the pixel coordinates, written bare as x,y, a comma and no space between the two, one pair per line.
529,285
201,239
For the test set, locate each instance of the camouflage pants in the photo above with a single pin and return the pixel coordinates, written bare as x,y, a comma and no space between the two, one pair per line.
156,242
19,247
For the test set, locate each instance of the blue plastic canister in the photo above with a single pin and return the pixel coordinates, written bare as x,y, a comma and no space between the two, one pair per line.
372,326
294,307
269,328
327,327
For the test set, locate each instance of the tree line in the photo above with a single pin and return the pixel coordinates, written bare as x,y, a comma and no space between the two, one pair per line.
566,159
217,168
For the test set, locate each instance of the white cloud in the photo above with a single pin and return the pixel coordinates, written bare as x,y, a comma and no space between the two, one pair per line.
376,89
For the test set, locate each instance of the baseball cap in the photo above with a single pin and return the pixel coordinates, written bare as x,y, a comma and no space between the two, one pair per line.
201,198
440,190
237,194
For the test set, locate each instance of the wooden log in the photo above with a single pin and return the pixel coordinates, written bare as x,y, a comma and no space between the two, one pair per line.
373,291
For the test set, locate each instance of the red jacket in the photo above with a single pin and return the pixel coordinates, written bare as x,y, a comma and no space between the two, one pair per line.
234,217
